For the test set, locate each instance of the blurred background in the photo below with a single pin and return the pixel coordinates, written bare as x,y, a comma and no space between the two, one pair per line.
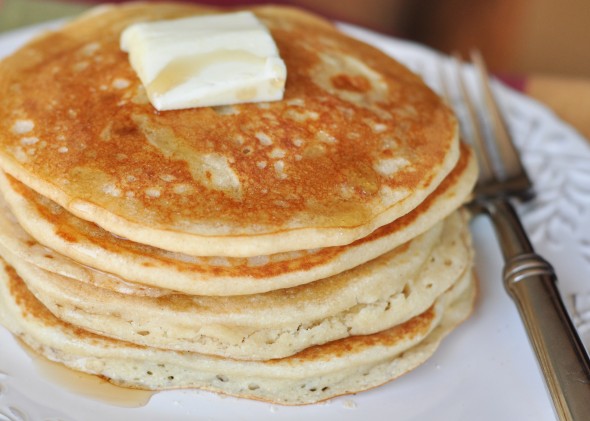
516,36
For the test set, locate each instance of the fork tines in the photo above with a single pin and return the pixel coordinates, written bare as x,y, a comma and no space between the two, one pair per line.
501,170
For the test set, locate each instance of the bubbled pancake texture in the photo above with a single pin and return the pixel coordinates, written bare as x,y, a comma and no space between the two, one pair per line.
357,141
289,252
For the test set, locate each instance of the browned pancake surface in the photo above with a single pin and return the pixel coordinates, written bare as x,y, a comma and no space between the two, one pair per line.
355,133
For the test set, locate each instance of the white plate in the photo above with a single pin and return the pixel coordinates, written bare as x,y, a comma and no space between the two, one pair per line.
485,370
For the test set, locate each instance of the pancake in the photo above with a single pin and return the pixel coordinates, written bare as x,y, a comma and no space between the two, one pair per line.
288,251
369,298
345,366
357,142
25,247
87,243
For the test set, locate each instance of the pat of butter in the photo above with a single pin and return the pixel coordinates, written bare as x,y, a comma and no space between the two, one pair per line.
205,61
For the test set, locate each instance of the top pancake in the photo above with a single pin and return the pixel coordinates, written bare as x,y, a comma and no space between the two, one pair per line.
357,142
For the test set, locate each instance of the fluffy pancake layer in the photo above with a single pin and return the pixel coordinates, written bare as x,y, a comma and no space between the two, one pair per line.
372,297
357,142
318,373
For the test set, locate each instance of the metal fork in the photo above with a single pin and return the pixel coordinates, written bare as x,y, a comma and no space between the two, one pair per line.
529,279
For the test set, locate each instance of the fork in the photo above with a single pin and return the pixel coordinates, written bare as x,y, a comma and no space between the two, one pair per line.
528,278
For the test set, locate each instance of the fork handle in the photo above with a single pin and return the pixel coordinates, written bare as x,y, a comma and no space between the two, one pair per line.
531,282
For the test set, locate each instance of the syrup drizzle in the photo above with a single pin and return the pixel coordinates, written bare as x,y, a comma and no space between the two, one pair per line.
87,385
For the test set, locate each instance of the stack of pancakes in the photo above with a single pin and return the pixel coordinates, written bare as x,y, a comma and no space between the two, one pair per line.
288,251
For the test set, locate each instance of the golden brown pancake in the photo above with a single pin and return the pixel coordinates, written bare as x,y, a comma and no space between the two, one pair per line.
357,142
94,247
255,249
345,366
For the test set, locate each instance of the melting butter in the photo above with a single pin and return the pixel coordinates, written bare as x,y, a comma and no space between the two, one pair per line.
207,60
